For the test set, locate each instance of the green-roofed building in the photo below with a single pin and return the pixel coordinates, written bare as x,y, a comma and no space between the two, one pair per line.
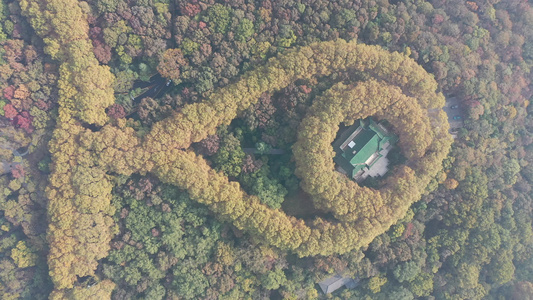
361,146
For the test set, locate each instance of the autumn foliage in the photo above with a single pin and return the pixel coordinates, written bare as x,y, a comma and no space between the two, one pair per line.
80,188
85,86
79,208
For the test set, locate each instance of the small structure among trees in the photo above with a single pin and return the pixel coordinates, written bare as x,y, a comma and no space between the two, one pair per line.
334,283
361,146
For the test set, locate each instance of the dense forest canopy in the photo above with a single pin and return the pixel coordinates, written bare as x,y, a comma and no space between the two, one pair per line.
157,149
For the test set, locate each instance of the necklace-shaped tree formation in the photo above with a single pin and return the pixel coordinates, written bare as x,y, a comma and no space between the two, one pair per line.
79,193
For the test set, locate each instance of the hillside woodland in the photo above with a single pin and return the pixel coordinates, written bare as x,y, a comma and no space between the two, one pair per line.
157,149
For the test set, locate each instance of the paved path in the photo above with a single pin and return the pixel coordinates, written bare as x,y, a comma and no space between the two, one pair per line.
272,151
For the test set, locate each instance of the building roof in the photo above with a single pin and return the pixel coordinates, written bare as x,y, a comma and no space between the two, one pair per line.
367,143
359,146
332,284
